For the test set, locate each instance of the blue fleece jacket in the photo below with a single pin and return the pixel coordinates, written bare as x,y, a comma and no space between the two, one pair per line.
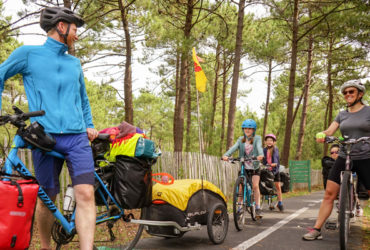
257,147
54,82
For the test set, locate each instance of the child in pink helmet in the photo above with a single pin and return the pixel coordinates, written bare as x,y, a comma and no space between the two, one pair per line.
271,153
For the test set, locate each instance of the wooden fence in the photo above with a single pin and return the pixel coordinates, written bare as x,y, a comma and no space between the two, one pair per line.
183,166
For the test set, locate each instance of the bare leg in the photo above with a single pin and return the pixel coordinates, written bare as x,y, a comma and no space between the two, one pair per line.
278,191
256,189
45,220
331,192
85,215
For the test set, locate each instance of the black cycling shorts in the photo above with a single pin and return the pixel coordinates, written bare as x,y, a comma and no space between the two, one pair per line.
251,172
361,167
254,172
277,177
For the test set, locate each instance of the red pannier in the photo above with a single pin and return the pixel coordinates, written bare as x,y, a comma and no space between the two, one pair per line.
18,197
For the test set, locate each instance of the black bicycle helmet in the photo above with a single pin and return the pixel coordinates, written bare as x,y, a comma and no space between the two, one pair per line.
50,16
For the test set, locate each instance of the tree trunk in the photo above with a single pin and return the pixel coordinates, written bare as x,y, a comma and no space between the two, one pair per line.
179,122
267,98
293,66
177,87
305,99
129,110
215,89
330,90
235,81
224,84
188,118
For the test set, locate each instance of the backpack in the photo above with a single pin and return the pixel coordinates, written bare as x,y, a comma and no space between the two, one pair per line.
17,209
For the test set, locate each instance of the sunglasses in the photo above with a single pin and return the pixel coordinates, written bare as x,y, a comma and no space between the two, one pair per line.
334,152
351,92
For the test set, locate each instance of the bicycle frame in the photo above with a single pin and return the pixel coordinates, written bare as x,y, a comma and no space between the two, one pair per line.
14,163
247,188
348,169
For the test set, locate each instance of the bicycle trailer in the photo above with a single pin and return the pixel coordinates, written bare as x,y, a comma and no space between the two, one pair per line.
184,206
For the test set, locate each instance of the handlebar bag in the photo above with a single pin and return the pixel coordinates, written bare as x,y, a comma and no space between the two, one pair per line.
17,210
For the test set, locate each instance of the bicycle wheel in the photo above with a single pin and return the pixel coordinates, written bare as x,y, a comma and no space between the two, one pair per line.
238,204
217,223
252,206
344,210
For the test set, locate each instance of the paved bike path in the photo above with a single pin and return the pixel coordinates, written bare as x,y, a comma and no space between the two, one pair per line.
276,231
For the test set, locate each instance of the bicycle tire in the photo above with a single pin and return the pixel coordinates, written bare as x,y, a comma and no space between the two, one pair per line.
238,207
252,207
217,223
344,210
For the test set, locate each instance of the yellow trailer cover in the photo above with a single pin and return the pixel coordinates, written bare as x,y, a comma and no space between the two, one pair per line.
179,193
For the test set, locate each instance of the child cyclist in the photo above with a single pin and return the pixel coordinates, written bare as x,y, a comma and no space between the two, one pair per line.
271,153
250,145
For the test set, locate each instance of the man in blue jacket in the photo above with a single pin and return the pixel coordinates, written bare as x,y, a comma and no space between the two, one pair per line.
54,82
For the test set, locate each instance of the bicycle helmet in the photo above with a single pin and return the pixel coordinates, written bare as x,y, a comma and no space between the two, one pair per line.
272,136
50,16
356,84
353,83
249,123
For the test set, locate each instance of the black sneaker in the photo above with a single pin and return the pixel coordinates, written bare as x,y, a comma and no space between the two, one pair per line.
280,207
259,213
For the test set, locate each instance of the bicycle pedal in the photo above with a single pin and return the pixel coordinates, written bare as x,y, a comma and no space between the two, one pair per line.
331,225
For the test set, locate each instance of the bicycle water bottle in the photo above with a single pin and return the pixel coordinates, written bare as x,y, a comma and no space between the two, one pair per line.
69,200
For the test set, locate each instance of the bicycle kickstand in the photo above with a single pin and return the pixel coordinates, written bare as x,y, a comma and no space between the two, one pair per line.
110,226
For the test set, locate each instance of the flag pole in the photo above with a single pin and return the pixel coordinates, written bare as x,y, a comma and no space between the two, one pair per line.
199,127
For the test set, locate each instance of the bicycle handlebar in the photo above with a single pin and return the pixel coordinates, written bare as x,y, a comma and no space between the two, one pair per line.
241,159
346,141
19,117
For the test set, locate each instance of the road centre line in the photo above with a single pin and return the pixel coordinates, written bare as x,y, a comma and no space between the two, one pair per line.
247,244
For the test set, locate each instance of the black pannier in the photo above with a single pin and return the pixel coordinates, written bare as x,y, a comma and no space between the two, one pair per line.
132,185
362,191
285,179
266,185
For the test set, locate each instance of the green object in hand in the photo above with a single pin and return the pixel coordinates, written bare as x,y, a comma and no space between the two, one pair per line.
320,135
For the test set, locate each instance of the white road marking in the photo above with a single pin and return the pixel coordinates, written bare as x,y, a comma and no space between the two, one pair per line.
247,244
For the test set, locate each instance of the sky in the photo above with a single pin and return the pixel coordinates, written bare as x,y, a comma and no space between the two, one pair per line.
141,73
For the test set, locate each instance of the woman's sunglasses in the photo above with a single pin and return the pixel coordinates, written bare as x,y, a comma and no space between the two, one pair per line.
334,152
351,92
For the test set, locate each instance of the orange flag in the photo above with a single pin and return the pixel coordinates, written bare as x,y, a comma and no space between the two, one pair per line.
200,77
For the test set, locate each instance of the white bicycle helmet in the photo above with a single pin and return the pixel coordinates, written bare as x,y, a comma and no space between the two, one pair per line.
353,83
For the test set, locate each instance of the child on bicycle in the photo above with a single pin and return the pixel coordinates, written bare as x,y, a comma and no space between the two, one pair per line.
250,145
271,153
353,122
